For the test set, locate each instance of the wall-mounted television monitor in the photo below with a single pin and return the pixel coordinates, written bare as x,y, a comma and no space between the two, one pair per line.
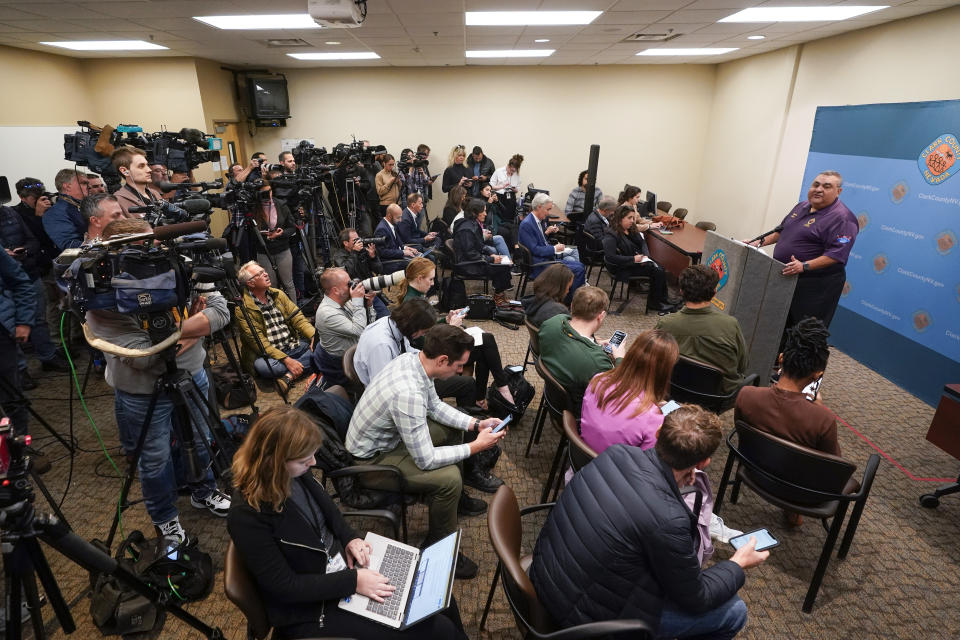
268,97
651,204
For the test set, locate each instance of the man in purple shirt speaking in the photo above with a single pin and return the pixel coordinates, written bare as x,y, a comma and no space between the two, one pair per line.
814,242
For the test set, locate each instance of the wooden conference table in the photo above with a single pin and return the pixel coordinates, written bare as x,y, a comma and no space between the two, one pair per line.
677,250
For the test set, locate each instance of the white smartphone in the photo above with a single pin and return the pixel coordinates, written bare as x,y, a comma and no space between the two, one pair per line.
503,423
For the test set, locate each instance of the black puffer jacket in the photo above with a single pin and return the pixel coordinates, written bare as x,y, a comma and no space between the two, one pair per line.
620,542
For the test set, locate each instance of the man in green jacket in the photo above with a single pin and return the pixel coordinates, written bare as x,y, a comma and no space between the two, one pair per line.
705,333
567,347
282,329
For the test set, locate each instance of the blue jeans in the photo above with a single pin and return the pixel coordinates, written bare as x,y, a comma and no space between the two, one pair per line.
380,307
501,246
39,332
721,623
157,477
271,369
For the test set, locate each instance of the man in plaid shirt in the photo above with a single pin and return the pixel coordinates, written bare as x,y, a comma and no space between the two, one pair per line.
401,421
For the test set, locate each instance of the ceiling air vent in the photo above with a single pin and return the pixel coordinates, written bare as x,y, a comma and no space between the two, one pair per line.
652,37
287,42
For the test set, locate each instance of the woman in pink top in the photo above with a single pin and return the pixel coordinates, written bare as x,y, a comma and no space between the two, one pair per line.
621,406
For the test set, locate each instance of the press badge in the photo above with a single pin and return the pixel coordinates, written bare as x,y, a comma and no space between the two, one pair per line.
336,563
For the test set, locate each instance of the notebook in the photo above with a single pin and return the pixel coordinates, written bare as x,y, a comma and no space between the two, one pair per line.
423,578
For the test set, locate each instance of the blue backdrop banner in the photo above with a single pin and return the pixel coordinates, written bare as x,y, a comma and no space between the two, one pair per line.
899,166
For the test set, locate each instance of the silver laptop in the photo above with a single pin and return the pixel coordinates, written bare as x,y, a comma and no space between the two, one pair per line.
424,581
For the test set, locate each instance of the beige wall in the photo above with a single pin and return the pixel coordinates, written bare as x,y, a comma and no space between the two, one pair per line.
887,63
216,93
33,84
650,121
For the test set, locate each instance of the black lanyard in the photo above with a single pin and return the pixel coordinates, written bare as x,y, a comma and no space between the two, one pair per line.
148,199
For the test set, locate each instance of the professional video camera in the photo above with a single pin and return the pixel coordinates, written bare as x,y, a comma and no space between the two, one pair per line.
143,278
419,161
179,151
377,241
161,212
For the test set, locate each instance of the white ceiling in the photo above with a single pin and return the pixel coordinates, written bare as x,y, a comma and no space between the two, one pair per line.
426,32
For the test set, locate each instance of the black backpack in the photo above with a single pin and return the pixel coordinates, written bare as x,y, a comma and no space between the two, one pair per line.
453,294
332,414
233,391
521,390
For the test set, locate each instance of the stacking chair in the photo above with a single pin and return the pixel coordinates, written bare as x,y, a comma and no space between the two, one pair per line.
457,268
523,260
663,207
579,452
533,347
701,383
355,386
591,255
680,213
556,400
706,226
504,521
799,479
624,281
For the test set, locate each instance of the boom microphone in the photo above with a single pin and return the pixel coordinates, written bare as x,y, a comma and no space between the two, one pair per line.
207,244
168,231
165,186
193,206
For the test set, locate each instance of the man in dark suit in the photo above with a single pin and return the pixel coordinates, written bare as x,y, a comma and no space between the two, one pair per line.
393,254
407,229
533,235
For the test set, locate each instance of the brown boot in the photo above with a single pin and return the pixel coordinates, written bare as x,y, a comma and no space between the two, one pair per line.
500,300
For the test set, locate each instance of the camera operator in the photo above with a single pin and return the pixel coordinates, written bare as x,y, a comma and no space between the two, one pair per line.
287,162
252,171
416,179
277,229
137,191
95,184
19,244
17,310
361,262
99,210
63,222
280,326
341,317
134,380
388,184
481,169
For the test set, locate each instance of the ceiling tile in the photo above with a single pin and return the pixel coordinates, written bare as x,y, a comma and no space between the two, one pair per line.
502,5
645,5
22,13
630,17
425,6
432,19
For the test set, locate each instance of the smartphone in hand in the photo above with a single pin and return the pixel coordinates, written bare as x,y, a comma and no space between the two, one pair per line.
615,341
503,423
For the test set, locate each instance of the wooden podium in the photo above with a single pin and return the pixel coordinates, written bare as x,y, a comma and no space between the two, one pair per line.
754,291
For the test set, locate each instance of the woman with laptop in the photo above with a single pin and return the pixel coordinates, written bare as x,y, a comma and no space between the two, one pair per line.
298,547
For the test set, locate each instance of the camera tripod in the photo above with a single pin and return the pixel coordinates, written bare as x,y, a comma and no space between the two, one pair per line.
239,240
24,562
19,399
190,410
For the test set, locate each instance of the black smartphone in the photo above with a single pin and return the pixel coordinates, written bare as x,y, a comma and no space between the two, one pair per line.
764,540
615,341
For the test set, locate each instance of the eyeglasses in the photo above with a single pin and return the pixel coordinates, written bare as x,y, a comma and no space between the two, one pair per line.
459,147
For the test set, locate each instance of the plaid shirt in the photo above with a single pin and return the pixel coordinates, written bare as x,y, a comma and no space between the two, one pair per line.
395,407
278,333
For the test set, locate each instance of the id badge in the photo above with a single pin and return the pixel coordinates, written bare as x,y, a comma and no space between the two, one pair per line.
336,563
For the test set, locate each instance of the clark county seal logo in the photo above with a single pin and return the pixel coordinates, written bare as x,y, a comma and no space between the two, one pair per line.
718,262
937,161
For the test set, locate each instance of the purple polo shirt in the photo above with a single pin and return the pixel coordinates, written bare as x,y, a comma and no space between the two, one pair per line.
807,235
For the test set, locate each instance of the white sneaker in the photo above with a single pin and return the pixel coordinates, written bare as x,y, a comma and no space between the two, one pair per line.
174,529
217,502
721,532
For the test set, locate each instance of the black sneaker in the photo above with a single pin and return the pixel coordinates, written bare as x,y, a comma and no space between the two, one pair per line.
466,568
27,383
482,481
470,506
55,364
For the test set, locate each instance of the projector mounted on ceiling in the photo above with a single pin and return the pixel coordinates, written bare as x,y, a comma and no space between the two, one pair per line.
338,14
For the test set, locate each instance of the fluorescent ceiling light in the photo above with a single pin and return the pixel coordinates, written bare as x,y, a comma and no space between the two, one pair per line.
542,40
346,55
800,14
715,51
107,45
524,18
750,37
331,42
284,21
511,53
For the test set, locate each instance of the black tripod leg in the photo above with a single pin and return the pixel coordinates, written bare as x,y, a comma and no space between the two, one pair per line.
18,397
46,494
49,583
12,587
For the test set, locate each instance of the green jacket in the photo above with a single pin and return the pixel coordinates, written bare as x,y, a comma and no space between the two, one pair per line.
249,351
711,336
571,358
